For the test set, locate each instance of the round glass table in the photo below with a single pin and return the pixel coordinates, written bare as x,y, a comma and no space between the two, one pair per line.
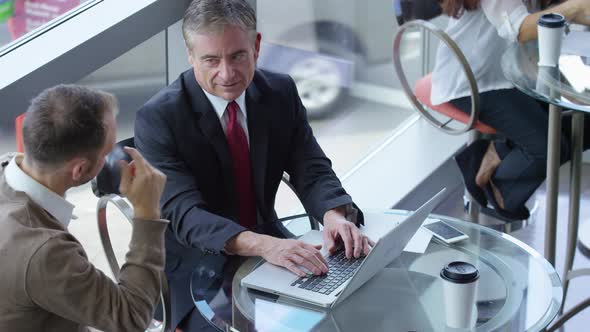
518,290
565,88
548,84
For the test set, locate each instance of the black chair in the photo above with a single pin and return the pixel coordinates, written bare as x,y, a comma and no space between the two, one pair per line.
313,223
106,187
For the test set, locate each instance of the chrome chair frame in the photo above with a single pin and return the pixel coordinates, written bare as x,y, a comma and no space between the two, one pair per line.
106,195
127,211
462,60
313,223
576,309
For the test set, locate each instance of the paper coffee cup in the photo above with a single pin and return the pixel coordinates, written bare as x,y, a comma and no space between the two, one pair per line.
459,289
550,30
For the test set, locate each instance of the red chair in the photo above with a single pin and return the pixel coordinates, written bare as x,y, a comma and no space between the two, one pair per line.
18,126
422,90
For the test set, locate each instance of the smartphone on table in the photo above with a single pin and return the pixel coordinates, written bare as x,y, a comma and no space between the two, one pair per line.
445,232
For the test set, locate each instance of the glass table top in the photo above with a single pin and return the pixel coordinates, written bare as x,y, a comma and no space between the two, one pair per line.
518,290
563,87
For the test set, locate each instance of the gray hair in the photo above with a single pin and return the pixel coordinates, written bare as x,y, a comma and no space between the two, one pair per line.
211,16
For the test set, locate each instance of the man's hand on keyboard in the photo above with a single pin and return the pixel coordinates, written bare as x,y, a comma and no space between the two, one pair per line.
337,228
292,254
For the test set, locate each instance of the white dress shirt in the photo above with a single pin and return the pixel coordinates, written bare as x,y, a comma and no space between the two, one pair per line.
482,35
51,202
220,104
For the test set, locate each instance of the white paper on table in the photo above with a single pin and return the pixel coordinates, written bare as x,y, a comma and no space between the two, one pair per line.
419,243
379,223
576,43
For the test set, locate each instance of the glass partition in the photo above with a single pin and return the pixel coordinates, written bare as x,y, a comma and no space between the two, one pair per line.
65,40
20,19
134,77
340,55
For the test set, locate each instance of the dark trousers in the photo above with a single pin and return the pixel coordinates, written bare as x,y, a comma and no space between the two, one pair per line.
523,121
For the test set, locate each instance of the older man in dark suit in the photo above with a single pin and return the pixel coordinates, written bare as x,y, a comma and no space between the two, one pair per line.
224,133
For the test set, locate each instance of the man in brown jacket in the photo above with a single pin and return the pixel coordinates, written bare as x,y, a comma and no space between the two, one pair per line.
46,280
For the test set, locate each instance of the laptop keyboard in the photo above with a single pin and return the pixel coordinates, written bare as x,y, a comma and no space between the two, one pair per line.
340,269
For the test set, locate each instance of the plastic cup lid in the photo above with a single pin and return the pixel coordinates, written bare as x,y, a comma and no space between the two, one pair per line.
551,20
460,272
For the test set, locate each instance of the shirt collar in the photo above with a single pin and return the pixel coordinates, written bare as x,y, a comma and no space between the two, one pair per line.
51,202
219,104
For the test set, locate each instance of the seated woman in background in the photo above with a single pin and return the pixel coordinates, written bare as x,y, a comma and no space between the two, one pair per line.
504,174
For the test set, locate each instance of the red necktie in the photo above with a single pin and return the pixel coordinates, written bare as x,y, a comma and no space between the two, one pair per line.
238,147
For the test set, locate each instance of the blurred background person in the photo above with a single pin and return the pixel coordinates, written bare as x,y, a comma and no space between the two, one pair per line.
505,174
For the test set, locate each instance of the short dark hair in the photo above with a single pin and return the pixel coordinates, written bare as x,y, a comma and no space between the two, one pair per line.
66,121
207,16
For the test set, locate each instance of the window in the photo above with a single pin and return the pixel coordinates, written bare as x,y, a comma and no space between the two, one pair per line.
134,77
340,55
72,46
20,19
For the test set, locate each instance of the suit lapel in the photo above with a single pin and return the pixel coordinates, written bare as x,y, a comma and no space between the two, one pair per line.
258,127
212,130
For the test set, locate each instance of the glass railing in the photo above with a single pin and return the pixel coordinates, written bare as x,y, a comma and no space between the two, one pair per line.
22,20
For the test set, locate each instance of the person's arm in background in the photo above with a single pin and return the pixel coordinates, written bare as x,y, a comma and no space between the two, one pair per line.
577,11
515,24
61,279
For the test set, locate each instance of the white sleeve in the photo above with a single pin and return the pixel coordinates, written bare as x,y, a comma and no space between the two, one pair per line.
506,16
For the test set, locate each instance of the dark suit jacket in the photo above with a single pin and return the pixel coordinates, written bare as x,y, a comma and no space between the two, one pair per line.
179,132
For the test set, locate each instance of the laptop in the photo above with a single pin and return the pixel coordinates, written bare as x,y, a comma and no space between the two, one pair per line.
344,275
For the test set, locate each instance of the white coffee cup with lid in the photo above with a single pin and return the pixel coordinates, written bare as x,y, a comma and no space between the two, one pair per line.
459,291
550,30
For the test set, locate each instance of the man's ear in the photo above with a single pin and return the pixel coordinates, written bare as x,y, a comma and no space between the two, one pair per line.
79,167
257,45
